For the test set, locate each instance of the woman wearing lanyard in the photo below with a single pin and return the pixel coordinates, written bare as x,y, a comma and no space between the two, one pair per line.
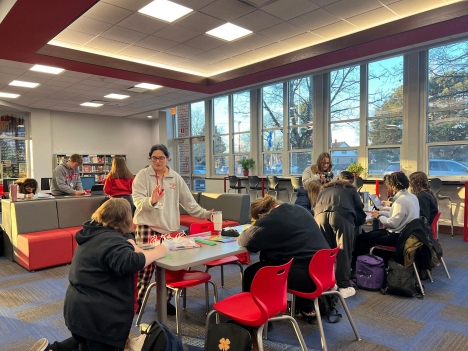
157,193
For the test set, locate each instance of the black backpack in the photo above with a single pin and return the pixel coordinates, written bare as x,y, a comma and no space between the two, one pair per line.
327,306
159,338
228,336
400,280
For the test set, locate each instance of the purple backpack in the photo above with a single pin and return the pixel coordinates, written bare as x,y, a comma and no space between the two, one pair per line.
370,272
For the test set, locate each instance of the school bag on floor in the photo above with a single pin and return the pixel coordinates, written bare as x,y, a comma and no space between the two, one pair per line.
400,280
228,336
156,338
370,272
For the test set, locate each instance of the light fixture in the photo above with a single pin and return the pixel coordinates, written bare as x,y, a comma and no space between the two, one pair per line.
91,104
148,86
19,83
150,116
47,69
165,10
117,96
8,95
229,32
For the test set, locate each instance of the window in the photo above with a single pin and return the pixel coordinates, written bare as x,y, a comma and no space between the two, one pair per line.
182,121
300,124
197,118
272,128
241,128
13,144
342,160
383,161
221,126
447,109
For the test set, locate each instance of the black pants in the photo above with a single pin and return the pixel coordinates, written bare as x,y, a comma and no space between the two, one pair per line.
338,230
366,241
78,343
298,279
129,199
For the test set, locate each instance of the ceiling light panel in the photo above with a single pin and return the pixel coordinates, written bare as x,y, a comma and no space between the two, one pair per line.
19,83
165,10
117,96
47,69
8,95
229,32
91,104
148,86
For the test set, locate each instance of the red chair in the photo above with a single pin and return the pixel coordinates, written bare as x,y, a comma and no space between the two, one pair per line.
434,232
197,228
267,298
322,272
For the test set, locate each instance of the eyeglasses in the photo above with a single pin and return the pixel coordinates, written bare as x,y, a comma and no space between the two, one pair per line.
325,163
161,158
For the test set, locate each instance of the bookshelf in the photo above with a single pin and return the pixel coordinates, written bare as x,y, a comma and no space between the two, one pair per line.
97,166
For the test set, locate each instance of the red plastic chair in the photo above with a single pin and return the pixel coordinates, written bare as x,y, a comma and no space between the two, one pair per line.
267,298
434,232
197,228
322,272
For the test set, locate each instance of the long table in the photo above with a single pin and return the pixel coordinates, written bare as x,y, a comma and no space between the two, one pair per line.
184,259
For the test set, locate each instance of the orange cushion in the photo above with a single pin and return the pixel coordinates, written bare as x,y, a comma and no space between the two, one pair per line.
73,231
187,220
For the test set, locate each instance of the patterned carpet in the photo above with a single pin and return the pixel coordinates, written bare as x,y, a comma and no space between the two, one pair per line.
31,308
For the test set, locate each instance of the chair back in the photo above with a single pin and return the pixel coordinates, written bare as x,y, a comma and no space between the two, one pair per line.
322,269
269,291
434,224
436,185
272,182
295,183
358,183
232,181
254,181
197,228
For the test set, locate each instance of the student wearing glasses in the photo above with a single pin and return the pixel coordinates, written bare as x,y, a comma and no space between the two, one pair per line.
320,172
157,193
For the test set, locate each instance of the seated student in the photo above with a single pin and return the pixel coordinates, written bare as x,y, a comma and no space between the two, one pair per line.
27,187
99,303
118,182
282,232
404,210
320,172
338,212
419,186
307,196
66,179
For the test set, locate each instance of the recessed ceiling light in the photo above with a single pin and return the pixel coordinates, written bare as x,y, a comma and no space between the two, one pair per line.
148,86
150,116
91,104
47,69
165,10
117,96
8,95
229,32
18,83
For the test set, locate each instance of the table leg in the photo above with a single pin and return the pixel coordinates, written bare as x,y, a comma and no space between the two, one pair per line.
161,295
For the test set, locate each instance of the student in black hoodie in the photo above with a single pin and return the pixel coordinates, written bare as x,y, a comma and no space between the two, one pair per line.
99,303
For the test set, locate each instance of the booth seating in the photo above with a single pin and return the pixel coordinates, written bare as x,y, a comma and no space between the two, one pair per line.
235,208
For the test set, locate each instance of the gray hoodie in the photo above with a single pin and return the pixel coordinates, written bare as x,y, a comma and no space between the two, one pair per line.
166,219
65,181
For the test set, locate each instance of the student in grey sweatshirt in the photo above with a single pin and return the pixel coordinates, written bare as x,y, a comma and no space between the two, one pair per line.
66,178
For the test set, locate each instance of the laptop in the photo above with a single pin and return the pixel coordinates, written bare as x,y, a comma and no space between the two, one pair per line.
376,201
97,189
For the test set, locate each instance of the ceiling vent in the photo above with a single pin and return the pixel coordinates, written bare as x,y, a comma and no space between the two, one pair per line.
258,3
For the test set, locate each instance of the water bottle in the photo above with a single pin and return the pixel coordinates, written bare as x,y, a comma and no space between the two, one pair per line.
14,192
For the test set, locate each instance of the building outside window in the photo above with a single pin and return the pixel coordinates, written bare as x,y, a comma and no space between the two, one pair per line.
13,144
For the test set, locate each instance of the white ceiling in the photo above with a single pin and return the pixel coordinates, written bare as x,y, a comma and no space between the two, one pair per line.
114,28
66,91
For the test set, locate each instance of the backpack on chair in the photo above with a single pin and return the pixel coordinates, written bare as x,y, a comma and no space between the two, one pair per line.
228,336
156,338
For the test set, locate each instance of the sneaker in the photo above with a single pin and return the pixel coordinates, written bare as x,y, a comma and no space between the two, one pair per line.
171,310
308,314
40,345
335,288
347,292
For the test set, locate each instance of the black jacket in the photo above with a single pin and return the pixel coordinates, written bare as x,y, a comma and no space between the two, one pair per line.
100,298
344,201
428,206
302,199
423,256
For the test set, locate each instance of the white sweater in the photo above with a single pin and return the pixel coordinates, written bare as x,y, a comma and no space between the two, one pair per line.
404,210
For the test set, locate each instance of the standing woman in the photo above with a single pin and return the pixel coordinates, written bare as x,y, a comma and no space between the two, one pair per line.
320,172
157,193
428,204
118,182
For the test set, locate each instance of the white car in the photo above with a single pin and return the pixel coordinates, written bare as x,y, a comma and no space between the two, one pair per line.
447,168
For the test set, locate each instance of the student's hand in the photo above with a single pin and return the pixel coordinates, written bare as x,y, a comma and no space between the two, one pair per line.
30,196
156,195
386,203
80,192
323,179
384,209
375,214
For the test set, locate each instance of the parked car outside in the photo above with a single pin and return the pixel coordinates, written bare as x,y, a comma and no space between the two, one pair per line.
447,168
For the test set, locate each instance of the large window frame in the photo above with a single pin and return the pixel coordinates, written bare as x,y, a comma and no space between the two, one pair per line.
21,172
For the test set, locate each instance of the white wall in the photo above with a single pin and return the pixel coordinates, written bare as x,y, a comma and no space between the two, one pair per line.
41,157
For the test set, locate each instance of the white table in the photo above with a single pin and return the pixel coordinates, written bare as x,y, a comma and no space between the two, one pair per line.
183,259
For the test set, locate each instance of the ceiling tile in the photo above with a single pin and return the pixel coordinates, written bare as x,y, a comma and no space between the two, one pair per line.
304,40
227,10
106,44
176,33
199,22
388,2
192,65
336,30
72,36
166,59
282,31
287,9
63,78
349,8
11,70
323,3
257,21
51,87
250,57
276,49
133,5
107,13
142,23
102,79
315,19
205,42
184,50
76,74
83,87
254,41
194,5
373,18
123,35
155,43
411,7
138,52
14,64
59,84
89,25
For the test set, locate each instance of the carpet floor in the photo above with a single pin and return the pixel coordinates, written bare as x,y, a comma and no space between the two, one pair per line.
31,307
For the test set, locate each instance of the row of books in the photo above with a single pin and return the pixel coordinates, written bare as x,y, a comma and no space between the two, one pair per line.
90,169
97,177
93,159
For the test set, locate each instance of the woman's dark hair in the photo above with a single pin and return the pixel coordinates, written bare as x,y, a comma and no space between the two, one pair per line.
420,183
317,168
25,182
338,183
161,147
262,205
397,179
346,175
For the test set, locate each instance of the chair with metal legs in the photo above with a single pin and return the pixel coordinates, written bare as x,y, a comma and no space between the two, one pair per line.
296,184
254,182
273,183
434,233
436,186
233,181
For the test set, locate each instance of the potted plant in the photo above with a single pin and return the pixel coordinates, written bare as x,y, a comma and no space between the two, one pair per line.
246,164
357,169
